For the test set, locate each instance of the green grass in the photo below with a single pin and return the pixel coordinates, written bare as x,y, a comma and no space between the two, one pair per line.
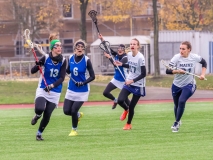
101,135
13,92
18,92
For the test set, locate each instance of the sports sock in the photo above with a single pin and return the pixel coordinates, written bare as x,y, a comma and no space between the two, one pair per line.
39,133
115,100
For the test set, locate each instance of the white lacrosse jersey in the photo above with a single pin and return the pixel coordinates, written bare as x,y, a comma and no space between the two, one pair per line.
135,64
187,64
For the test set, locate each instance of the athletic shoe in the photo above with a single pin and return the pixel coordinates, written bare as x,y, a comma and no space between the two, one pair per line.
127,127
34,120
123,116
179,124
175,127
73,133
39,138
81,115
114,105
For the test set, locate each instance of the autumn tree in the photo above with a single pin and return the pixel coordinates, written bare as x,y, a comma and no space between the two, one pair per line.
35,15
120,10
187,14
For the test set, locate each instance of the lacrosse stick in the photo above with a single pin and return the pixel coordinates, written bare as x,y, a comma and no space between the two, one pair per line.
175,68
93,14
39,48
105,46
71,78
31,45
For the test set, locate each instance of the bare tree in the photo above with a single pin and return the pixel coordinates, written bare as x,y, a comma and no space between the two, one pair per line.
156,36
83,28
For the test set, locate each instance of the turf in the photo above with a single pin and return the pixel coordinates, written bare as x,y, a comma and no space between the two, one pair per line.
101,135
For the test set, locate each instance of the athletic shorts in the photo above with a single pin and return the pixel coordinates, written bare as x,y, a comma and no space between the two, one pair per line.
138,91
176,90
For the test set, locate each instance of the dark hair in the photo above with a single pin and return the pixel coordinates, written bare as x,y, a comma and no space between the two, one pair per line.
121,45
188,44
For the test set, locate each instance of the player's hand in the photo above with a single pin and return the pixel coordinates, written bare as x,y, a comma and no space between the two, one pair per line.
117,63
180,71
128,82
39,63
79,84
107,55
202,77
100,37
48,88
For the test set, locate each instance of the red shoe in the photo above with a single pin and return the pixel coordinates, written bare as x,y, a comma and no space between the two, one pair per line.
123,116
127,127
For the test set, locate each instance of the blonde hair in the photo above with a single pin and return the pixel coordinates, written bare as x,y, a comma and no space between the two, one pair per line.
82,41
138,42
53,36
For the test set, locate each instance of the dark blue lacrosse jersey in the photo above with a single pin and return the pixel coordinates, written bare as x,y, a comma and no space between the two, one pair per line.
117,74
78,73
52,74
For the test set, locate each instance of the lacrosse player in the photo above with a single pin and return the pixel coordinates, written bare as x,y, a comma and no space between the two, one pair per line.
118,80
78,86
184,85
135,82
47,97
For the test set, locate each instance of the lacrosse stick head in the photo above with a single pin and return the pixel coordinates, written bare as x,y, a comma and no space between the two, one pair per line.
105,46
27,38
93,14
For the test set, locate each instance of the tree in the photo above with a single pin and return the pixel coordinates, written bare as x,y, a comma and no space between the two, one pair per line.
187,14
83,28
35,15
156,36
120,10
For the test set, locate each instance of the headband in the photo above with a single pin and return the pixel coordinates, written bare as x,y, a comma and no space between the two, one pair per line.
52,43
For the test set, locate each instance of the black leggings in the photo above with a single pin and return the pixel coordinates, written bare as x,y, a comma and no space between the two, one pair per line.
71,108
44,106
121,101
107,93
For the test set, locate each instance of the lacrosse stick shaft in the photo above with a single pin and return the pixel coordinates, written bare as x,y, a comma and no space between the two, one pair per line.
97,28
71,78
168,67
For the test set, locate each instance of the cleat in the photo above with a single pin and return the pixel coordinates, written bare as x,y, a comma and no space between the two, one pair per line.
123,116
127,127
34,120
175,127
73,133
39,138
114,105
179,124
81,115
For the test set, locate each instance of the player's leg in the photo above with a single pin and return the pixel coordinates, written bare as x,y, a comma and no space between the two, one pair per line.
67,106
121,101
107,93
132,105
75,108
45,119
40,103
187,92
176,92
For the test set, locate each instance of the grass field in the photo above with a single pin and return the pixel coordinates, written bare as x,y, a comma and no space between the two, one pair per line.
19,92
101,136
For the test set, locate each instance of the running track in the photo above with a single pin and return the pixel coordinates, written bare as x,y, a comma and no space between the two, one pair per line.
17,106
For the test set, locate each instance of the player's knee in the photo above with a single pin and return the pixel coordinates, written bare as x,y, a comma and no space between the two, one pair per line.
105,94
182,103
67,112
